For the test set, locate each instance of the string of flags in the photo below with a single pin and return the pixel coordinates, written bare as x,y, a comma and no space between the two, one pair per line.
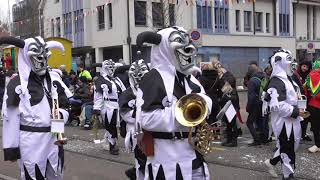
81,14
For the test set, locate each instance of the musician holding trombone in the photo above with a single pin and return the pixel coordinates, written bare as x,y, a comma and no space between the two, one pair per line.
173,102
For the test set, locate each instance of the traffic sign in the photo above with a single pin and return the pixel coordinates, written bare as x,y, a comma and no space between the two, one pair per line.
196,37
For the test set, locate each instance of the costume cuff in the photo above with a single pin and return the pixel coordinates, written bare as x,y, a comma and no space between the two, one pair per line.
295,112
11,154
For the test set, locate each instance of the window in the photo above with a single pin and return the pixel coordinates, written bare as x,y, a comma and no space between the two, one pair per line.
284,19
221,16
204,20
172,18
52,27
75,22
238,20
101,22
110,15
58,27
157,15
268,22
65,25
258,22
140,13
247,21
81,23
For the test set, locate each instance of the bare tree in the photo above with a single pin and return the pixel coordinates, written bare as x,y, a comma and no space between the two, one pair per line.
26,18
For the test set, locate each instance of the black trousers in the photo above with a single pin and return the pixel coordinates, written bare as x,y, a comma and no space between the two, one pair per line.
286,146
231,129
112,126
315,124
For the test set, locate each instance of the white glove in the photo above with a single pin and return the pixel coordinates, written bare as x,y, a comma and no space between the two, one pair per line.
274,103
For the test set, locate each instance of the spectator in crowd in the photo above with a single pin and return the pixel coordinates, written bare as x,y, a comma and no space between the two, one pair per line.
314,104
208,80
254,108
227,91
81,96
84,73
65,76
8,61
73,81
253,65
302,72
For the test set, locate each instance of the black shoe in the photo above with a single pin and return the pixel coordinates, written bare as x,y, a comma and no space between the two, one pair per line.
231,144
225,142
254,143
239,132
114,150
131,173
306,138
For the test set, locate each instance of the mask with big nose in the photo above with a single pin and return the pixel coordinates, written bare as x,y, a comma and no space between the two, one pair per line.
39,54
184,51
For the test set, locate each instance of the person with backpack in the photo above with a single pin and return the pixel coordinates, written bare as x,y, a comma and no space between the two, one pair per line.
254,109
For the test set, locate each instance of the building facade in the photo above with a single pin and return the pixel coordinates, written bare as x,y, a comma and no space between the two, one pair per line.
307,29
235,33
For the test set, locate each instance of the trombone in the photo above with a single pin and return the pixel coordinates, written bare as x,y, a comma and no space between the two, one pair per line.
191,111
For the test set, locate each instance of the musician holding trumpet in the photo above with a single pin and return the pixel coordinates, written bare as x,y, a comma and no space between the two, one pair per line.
32,127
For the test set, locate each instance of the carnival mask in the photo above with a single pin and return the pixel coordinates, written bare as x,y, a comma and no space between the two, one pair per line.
137,70
285,60
109,67
39,53
184,50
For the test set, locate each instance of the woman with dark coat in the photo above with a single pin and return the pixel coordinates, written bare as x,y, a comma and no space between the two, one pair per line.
302,73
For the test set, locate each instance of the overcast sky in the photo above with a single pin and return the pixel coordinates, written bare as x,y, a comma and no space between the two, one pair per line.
4,8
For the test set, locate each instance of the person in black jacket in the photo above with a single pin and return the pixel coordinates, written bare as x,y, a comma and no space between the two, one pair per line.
255,119
209,80
227,90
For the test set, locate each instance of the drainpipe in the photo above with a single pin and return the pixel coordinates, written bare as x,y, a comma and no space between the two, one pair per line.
254,16
129,33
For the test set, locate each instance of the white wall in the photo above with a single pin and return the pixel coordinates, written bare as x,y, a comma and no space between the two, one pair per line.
301,21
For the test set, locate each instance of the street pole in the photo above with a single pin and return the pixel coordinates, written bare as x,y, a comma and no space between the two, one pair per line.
129,33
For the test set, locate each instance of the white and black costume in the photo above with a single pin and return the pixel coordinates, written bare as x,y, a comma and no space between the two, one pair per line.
168,80
63,91
27,117
106,95
128,113
282,99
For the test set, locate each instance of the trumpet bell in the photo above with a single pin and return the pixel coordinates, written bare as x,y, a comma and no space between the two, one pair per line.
191,110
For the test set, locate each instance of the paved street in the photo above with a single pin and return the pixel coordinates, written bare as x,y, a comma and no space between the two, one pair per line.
86,160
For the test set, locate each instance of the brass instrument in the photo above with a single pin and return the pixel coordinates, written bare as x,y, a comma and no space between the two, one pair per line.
191,111
302,104
61,139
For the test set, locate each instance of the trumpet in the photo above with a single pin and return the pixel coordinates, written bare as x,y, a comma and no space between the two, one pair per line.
191,111
61,139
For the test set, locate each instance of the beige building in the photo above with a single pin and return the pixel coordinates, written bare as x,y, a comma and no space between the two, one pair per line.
235,33
307,29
